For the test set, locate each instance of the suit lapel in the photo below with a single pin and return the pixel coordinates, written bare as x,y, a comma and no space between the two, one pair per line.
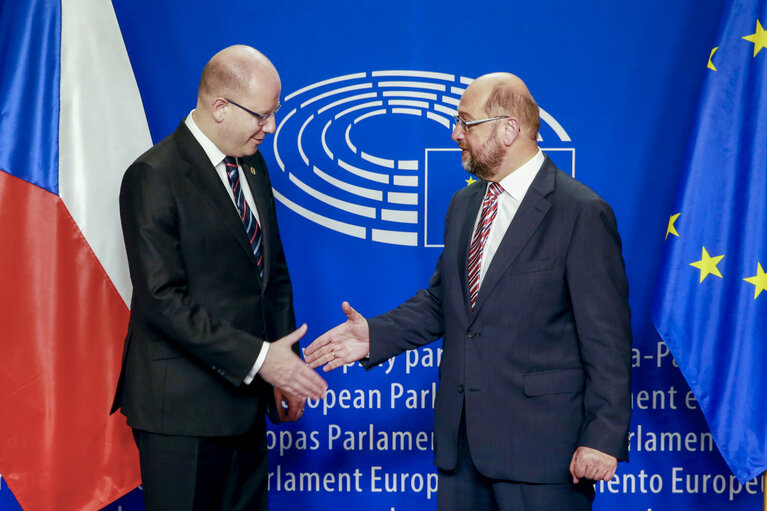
474,202
210,186
531,212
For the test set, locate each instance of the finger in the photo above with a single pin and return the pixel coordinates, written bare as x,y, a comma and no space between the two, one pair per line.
607,470
317,344
292,414
580,466
317,352
310,383
352,314
300,385
294,336
319,360
296,407
333,362
322,355
279,399
296,402
572,470
314,364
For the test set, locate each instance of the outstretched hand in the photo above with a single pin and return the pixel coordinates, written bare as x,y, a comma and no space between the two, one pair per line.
346,343
285,370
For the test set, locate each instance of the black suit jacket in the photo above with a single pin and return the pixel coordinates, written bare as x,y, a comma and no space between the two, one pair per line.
199,312
543,364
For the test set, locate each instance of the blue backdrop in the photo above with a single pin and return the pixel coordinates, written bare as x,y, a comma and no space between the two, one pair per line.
363,167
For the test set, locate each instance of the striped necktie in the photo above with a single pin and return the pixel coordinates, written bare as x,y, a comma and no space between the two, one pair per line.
489,210
248,220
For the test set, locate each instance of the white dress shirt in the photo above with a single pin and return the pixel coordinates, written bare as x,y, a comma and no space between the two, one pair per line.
515,186
217,159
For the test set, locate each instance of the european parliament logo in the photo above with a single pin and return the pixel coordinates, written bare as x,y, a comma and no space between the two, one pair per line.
369,154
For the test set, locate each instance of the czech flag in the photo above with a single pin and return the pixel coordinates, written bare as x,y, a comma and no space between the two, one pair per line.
71,121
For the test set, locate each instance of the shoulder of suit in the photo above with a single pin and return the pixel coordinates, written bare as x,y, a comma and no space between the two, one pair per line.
570,188
165,156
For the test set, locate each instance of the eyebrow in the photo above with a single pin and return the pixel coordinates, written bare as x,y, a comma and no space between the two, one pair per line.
465,116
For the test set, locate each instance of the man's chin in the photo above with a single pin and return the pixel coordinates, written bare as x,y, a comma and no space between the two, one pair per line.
478,171
253,146
471,166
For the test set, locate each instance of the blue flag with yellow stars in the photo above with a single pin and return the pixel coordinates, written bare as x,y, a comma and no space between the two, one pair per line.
710,303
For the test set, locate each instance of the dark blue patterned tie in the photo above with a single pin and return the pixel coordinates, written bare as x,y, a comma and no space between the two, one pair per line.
248,220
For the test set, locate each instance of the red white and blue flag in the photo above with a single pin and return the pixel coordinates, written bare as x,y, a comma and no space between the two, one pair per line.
71,121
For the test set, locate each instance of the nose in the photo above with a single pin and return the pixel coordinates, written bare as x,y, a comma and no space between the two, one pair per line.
457,133
271,125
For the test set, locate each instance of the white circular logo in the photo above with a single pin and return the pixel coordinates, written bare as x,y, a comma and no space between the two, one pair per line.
369,154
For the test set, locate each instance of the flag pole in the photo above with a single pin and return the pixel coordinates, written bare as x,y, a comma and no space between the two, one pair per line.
764,491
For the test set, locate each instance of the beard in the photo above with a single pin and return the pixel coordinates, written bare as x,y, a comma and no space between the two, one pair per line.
485,163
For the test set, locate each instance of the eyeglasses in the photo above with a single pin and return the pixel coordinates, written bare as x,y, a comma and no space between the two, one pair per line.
262,118
465,125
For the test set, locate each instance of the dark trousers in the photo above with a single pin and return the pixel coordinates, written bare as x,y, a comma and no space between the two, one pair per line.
465,488
203,474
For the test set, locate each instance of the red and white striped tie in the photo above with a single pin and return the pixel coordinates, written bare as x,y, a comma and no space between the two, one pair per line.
489,210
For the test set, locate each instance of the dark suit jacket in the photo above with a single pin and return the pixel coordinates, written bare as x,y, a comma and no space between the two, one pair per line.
543,364
199,312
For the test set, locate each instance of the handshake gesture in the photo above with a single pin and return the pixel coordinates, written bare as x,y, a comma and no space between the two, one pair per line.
294,381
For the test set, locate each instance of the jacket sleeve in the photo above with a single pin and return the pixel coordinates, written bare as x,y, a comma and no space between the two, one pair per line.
598,290
415,323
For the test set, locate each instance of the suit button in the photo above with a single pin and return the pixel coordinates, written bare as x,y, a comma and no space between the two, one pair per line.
471,334
460,389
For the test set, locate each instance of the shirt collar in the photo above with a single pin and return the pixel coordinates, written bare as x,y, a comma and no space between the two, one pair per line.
214,153
517,183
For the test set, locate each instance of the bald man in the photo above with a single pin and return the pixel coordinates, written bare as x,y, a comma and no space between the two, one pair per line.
211,342
531,299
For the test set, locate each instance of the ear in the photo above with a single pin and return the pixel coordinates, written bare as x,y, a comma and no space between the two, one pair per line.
218,109
511,130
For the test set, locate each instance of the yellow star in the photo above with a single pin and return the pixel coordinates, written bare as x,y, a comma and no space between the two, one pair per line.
707,265
470,181
711,64
759,38
759,280
671,229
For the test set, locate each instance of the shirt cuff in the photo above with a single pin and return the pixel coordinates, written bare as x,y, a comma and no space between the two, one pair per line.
257,366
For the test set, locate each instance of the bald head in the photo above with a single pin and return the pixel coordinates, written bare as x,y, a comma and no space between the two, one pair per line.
233,70
507,94
239,93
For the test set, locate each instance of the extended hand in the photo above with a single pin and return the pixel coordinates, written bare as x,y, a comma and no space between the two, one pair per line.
346,343
588,463
285,370
295,405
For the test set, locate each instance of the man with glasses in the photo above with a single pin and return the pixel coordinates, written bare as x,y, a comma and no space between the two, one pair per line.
531,298
211,344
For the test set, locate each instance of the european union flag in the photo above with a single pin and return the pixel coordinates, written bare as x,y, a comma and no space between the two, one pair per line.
710,302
